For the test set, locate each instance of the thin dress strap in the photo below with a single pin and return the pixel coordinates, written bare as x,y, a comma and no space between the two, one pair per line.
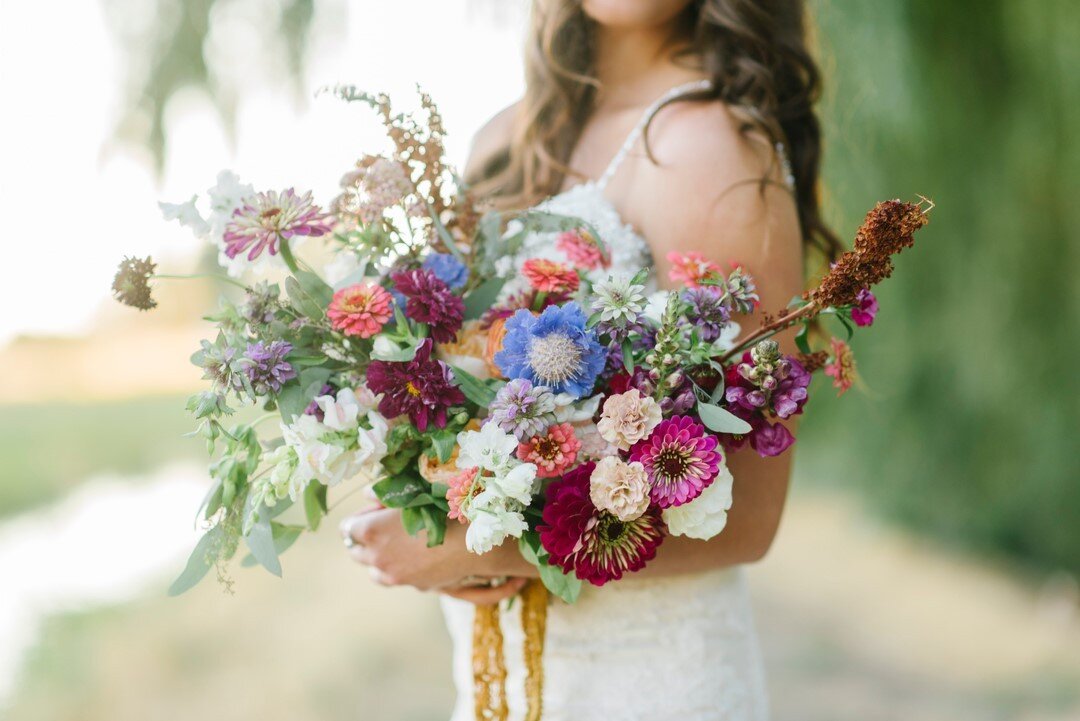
632,138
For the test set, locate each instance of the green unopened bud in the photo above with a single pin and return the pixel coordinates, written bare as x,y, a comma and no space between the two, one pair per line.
767,351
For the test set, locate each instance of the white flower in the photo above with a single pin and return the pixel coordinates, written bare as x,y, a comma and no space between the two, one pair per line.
489,527
593,445
340,413
187,215
344,267
618,300
569,409
371,446
706,515
326,462
504,266
516,484
656,306
728,336
489,449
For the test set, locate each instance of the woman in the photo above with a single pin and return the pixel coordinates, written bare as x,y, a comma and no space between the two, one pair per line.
666,124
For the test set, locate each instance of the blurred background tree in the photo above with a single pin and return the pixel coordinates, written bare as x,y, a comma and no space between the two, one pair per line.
966,427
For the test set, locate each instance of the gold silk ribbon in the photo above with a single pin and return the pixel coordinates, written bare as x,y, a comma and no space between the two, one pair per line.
489,662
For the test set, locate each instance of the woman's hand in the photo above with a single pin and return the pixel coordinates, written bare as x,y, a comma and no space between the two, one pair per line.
396,558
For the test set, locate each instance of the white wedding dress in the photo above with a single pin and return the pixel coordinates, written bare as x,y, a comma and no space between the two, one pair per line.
681,648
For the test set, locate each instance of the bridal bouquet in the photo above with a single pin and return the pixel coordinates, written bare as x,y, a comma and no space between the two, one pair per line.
543,399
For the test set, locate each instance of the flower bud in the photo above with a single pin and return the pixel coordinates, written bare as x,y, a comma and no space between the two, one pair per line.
767,351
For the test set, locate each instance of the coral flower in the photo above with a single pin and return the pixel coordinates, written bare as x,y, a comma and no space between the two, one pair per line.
582,249
691,268
547,276
553,452
265,219
462,488
595,545
361,309
681,460
842,366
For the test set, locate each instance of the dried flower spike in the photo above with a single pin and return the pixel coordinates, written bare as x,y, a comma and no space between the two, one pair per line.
131,286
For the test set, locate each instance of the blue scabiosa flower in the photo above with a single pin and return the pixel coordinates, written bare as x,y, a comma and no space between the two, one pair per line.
448,269
553,350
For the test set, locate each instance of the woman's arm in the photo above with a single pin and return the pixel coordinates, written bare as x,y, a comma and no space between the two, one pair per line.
696,197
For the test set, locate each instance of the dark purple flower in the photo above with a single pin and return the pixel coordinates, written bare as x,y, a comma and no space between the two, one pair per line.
770,439
423,388
707,311
266,367
865,309
313,408
430,301
790,396
773,384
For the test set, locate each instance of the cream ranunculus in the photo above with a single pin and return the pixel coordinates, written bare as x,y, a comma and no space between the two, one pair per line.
706,515
628,418
620,488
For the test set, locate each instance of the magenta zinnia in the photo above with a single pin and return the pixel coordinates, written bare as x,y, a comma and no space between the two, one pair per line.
592,544
267,218
423,388
680,458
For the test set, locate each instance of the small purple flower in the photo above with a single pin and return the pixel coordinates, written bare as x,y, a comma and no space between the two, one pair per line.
865,309
266,367
740,292
768,381
790,395
313,408
770,439
522,409
707,312
448,269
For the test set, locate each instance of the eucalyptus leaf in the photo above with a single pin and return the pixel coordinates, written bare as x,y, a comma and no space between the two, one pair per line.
260,541
314,504
199,562
563,585
720,420
316,288
284,537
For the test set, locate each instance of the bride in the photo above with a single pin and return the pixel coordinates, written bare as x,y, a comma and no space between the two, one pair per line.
670,125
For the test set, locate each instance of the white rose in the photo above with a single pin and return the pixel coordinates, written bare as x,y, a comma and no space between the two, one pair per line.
706,515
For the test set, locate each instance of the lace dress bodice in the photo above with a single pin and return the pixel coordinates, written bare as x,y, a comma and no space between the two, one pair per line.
680,648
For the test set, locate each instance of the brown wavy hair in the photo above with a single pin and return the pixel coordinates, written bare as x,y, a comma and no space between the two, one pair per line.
754,51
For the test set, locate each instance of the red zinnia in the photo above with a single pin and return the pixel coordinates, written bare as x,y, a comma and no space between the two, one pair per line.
547,276
592,544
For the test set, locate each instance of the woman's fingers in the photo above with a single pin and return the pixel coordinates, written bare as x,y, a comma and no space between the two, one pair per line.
485,595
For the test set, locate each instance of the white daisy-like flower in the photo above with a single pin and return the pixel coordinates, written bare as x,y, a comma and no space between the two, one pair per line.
618,300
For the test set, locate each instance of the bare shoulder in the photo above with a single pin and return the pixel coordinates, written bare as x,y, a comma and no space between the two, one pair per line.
492,138
704,193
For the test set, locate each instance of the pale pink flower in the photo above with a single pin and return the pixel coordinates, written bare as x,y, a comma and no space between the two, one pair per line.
582,249
462,488
266,219
691,268
620,488
628,418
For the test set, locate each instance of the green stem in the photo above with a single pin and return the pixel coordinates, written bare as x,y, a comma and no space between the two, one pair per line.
191,276
288,257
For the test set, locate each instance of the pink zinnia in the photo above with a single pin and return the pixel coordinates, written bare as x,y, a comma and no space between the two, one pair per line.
553,451
547,276
361,309
582,249
841,368
691,268
681,460
267,218
592,544
460,490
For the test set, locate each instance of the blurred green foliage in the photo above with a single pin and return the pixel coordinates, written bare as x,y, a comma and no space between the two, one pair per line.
967,429
47,449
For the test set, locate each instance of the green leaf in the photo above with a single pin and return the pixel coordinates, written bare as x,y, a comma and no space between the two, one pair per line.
199,562
563,585
314,504
260,541
443,443
385,349
802,339
473,388
398,491
302,300
434,525
628,356
284,537
413,520
845,320
315,287
481,299
720,420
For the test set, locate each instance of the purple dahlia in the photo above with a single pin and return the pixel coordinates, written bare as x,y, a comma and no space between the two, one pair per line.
430,301
423,388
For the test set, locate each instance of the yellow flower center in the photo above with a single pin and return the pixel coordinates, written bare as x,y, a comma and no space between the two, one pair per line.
413,390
